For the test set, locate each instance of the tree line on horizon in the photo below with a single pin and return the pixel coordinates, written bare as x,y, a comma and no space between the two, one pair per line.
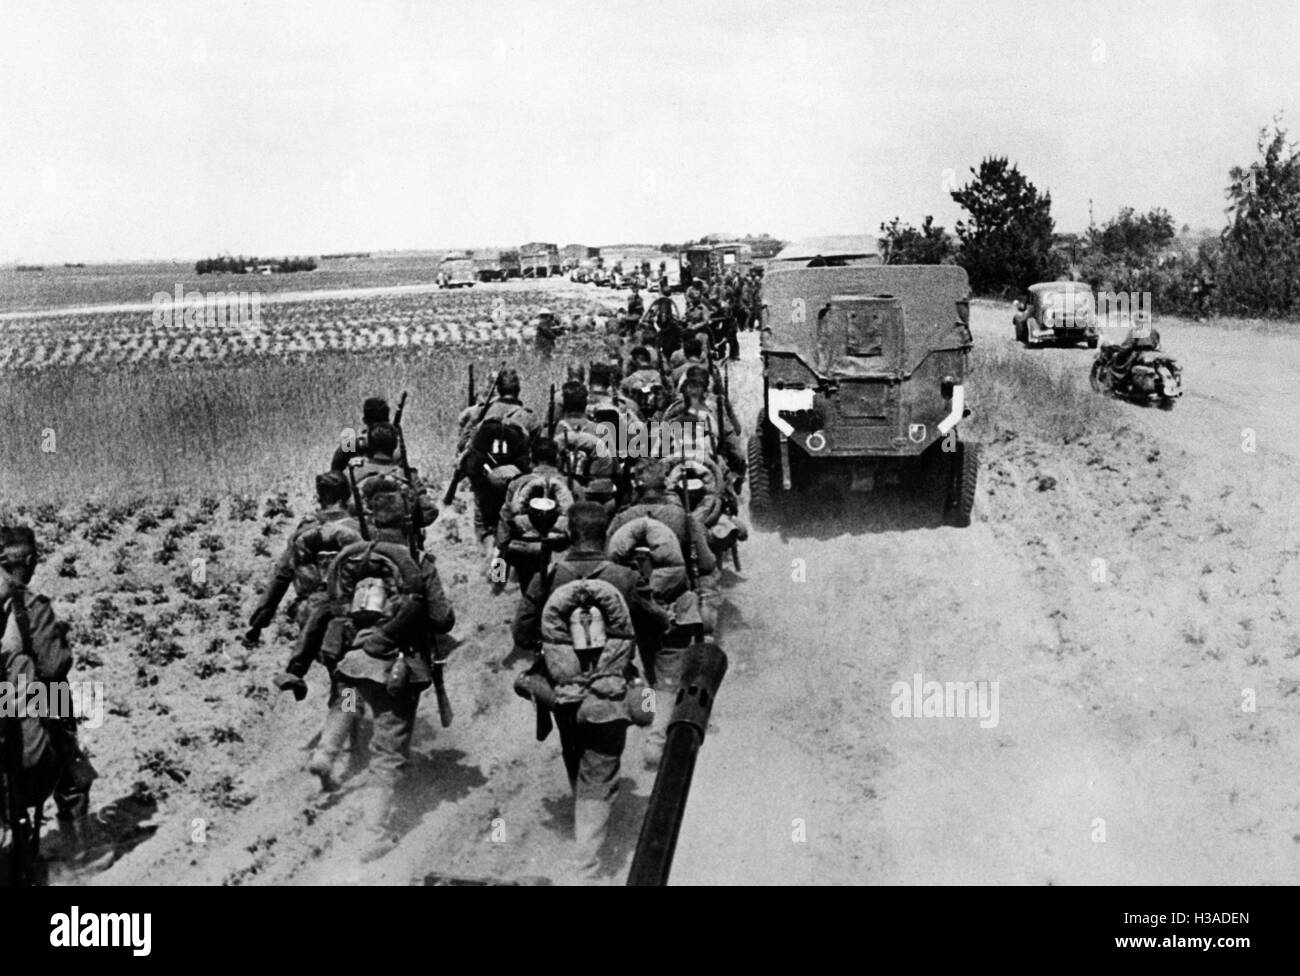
1007,241
230,264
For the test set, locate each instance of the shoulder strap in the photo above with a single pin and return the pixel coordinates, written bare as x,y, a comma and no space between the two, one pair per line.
18,603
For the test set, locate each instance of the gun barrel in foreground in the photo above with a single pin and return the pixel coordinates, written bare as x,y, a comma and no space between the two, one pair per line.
702,673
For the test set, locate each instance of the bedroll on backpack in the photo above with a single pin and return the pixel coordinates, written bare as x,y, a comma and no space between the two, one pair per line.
373,589
587,645
525,489
704,482
652,548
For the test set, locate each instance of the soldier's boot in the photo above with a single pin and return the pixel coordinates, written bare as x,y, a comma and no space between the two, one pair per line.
339,725
378,838
24,867
590,828
291,682
75,846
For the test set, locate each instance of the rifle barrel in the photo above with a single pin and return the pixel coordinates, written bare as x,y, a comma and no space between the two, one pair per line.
703,670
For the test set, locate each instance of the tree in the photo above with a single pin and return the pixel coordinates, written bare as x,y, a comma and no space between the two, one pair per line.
904,244
1007,240
1124,255
1259,270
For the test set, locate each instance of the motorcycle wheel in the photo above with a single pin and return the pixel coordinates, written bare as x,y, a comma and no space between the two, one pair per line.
1099,378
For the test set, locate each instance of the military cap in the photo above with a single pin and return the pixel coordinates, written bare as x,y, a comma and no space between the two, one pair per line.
374,410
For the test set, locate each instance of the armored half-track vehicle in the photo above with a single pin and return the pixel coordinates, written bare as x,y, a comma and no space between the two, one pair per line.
864,384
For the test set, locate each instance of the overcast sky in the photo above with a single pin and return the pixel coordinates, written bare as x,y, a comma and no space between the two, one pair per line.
181,129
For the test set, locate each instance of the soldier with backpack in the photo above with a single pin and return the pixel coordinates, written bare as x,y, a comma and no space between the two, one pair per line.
303,563
522,545
352,445
381,471
495,440
40,752
387,607
577,619
684,616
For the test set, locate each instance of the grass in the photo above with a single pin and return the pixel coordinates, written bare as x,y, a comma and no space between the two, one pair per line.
1016,394
150,431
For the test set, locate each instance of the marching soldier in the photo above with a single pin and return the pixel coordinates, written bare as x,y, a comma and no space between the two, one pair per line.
383,661
381,464
373,411
40,752
592,749
548,330
635,303
507,406
304,562
663,650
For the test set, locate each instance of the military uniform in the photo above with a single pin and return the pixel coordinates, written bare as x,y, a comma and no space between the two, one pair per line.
361,692
523,548
384,467
303,563
342,459
547,333
663,650
45,750
592,751
502,408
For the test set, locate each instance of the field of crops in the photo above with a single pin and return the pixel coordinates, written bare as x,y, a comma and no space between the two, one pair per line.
104,406
412,324
57,286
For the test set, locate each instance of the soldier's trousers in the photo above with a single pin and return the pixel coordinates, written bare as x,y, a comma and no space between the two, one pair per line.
57,773
393,718
313,618
487,508
592,753
663,664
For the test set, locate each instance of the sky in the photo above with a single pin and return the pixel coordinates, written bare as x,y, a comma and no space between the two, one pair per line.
181,129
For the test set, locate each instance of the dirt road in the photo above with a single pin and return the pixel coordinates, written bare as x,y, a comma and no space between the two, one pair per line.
1129,597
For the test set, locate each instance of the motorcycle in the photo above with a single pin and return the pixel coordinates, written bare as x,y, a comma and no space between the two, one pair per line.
1138,371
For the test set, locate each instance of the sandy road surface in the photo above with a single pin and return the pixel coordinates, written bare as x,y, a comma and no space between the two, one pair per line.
1123,594
1120,701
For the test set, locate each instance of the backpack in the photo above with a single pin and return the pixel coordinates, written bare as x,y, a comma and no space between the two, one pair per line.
374,589
651,547
524,489
315,546
583,455
497,446
704,484
587,646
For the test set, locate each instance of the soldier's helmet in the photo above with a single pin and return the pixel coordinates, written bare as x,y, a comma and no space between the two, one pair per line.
508,382
374,410
383,439
331,487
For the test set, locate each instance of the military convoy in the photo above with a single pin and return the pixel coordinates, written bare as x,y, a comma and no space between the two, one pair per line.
864,373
